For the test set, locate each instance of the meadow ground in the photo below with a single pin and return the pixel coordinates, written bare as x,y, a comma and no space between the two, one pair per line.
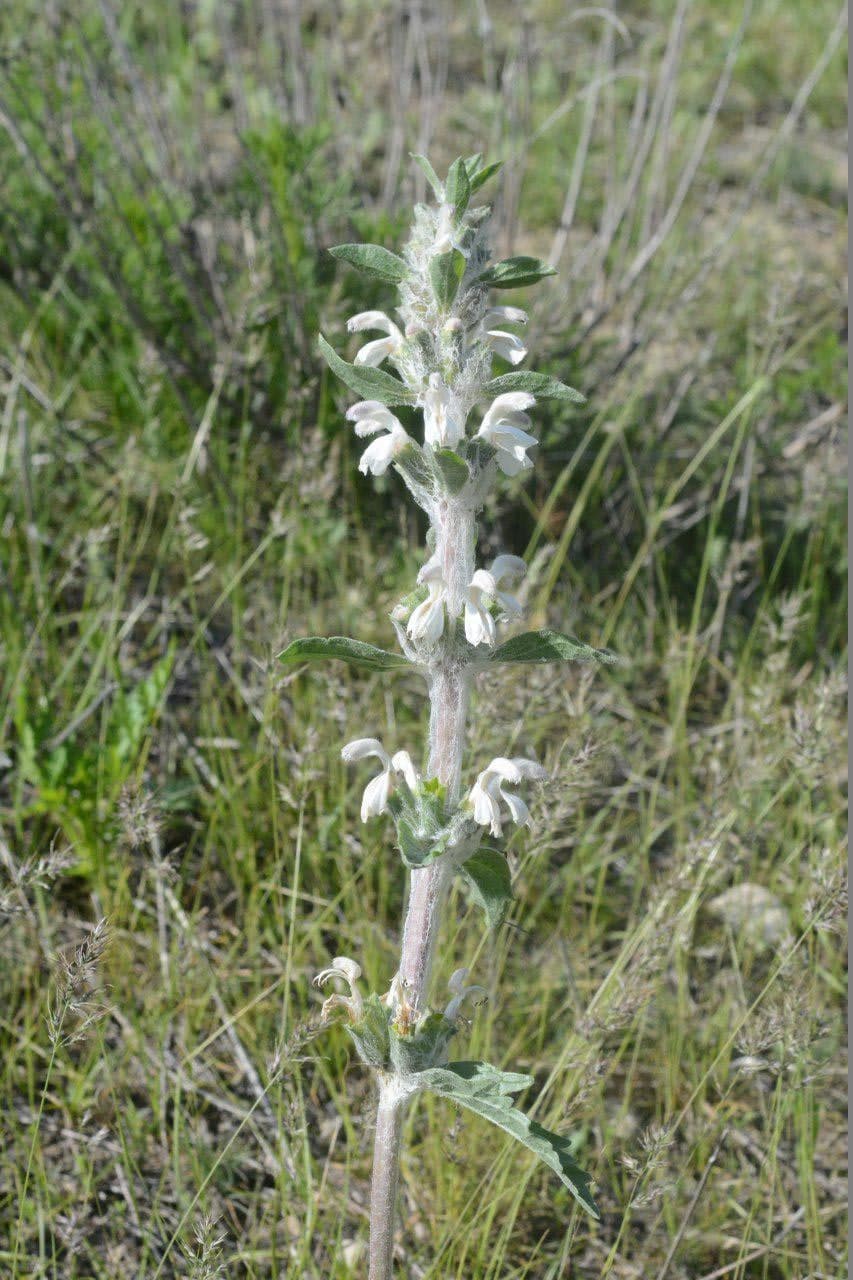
179,499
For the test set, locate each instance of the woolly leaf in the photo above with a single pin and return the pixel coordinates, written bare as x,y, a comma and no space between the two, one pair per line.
515,273
454,471
484,1090
538,384
370,384
445,272
549,646
430,174
370,1034
482,176
457,188
487,874
373,260
356,652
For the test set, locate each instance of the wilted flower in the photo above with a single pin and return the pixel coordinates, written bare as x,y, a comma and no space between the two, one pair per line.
373,353
483,587
460,993
376,793
349,972
488,791
370,417
504,427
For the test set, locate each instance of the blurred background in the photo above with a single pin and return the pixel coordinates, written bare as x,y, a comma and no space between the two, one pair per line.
178,499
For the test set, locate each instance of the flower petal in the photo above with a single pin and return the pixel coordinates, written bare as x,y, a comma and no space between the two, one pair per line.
376,793
361,748
372,320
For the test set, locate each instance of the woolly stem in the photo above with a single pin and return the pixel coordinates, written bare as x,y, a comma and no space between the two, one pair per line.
448,695
386,1176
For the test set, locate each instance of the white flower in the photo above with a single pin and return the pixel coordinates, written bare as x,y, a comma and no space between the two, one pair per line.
349,972
370,416
373,353
483,587
427,619
444,422
507,345
460,994
504,428
376,793
488,791
447,236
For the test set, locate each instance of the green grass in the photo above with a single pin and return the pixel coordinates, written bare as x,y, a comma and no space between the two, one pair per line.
180,499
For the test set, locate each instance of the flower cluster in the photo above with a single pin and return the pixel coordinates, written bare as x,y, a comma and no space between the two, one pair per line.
483,800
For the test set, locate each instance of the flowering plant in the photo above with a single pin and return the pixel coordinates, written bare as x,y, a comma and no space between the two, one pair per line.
442,350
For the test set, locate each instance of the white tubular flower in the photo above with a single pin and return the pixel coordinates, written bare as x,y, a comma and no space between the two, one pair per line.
504,427
507,345
375,798
373,353
370,417
349,972
483,587
461,993
444,423
488,791
427,620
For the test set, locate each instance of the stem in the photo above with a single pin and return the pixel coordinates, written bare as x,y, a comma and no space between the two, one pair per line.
448,696
386,1171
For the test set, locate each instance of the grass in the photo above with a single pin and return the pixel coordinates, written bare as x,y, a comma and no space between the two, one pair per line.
180,500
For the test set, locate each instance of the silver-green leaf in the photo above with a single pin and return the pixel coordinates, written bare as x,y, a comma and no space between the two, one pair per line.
486,873
549,646
457,188
515,273
430,174
373,260
453,469
541,385
345,649
370,384
445,272
485,1090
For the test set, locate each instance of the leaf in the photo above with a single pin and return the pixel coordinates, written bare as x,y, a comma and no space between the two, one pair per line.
472,164
549,646
430,173
454,470
457,188
445,272
479,179
515,273
370,384
487,875
373,260
538,384
370,1035
484,1090
356,652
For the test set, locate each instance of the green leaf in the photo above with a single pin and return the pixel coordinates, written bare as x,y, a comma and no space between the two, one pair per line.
472,164
549,646
484,1090
356,652
454,470
487,875
370,1035
541,385
370,384
515,273
457,188
445,272
373,260
482,176
431,175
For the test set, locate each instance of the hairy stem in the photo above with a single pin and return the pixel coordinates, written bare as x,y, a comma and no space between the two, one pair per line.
386,1172
448,695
